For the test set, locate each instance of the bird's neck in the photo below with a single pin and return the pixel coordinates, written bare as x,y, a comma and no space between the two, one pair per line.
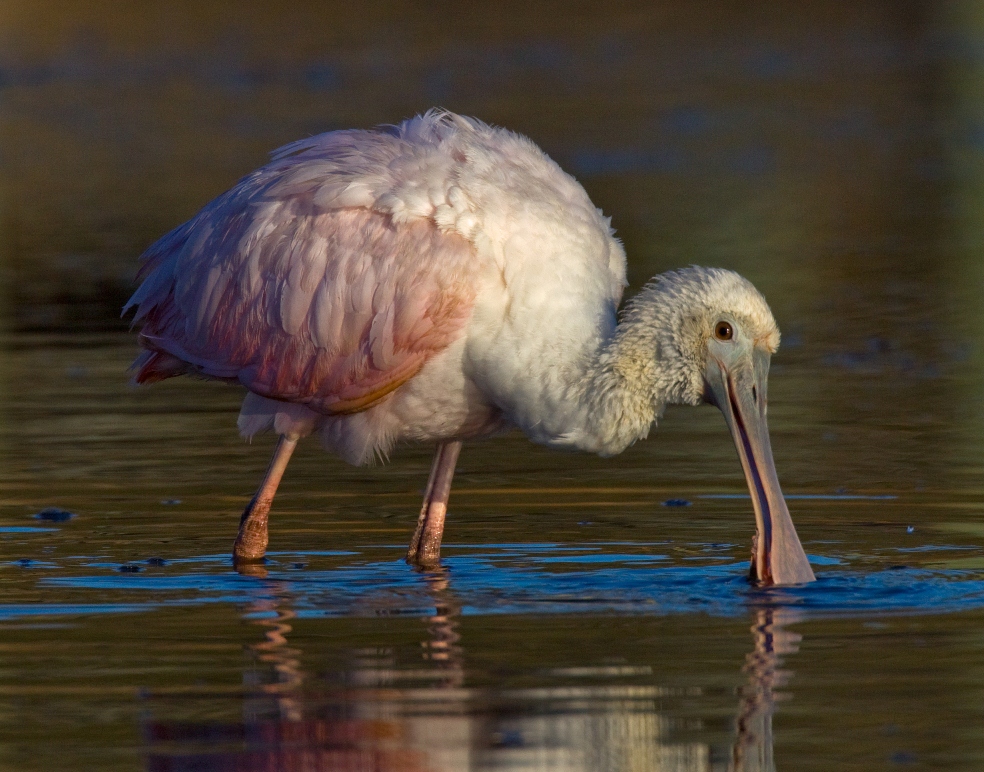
622,391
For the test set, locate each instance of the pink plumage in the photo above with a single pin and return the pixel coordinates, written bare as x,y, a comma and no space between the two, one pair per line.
330,308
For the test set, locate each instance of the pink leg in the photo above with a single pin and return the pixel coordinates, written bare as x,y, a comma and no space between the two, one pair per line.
425,547
251,542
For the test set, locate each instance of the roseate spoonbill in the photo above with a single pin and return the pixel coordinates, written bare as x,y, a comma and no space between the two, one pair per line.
439,281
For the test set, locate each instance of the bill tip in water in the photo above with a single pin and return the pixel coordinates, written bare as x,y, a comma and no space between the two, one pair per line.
787,566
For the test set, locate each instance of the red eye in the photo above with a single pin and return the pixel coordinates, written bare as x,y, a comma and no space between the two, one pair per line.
723,331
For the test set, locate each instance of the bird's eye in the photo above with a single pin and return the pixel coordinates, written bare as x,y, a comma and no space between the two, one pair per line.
723,331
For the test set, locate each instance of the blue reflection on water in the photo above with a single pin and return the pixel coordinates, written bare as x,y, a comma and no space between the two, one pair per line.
521,579
15,610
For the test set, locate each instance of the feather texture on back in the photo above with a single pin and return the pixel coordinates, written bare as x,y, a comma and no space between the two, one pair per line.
332,276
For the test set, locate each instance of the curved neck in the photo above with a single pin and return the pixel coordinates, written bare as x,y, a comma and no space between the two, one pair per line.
621,393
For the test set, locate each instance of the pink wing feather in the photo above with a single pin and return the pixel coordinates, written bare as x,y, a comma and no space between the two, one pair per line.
292,284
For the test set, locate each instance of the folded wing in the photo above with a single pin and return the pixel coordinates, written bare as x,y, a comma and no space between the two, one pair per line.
329,306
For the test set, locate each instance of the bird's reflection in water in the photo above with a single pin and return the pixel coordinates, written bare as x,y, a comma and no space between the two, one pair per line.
274,615
752,751
388,718
442,645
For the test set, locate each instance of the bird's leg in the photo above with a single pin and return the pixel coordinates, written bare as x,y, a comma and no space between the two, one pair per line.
425,547
251,542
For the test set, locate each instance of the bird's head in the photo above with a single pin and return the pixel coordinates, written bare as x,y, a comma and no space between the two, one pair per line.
714,337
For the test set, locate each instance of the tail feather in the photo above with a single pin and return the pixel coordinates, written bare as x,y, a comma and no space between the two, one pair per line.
154,366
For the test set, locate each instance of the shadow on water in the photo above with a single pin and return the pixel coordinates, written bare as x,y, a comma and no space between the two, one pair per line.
428,718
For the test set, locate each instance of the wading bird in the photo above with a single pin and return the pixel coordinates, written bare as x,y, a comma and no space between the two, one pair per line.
439,281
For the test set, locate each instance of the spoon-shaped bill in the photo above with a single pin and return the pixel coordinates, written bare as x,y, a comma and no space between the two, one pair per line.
739,392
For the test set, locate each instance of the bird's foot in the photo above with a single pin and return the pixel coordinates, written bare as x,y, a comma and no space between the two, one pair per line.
426,559
252,539
425,547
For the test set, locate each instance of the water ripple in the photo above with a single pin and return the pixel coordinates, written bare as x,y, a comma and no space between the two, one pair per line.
539,579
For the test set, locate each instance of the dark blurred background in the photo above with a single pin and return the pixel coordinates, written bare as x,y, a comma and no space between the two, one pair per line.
807,143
